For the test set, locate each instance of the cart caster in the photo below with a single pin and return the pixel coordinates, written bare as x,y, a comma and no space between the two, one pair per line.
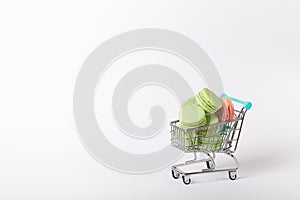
175,175
186,179
210,165
232,175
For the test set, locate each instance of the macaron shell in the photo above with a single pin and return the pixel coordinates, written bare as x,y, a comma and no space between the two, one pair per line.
210,119
189,138
208,100
226,108
212,98
191,114
230,108
223,112
213,119
204,105
189,101
210,95
208,138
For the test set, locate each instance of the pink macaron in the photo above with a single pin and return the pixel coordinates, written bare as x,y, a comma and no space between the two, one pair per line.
227,110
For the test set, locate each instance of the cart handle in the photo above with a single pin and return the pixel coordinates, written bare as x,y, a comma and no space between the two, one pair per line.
246,104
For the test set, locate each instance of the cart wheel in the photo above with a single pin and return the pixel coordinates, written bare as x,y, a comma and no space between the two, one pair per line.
186,179
175,174
232,175
209,165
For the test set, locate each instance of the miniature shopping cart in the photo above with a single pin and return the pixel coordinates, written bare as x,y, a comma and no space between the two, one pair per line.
208,140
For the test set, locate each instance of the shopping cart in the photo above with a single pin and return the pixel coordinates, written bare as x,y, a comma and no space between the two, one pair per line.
222,137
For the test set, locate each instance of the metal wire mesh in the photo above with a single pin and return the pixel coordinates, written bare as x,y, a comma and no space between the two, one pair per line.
218,137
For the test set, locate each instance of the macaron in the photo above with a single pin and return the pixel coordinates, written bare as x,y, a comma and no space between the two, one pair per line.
208,100
210,119
223,112
189,101
209,139
191,114
187,138
227,110
230,108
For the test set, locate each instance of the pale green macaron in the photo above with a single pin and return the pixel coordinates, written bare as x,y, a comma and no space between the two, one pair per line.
209,137
191,114
208,100
189,101
187,138
210,119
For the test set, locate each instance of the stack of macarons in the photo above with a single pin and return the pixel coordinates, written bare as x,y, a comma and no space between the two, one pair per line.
204,109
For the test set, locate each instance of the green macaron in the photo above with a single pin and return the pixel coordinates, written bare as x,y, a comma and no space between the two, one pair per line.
210,119
209,137
208,100
187,138
189,101
191,114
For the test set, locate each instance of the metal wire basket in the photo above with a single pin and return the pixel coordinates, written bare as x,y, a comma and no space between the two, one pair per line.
218,137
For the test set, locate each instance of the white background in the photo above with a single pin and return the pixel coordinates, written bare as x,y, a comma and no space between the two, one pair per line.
254,44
